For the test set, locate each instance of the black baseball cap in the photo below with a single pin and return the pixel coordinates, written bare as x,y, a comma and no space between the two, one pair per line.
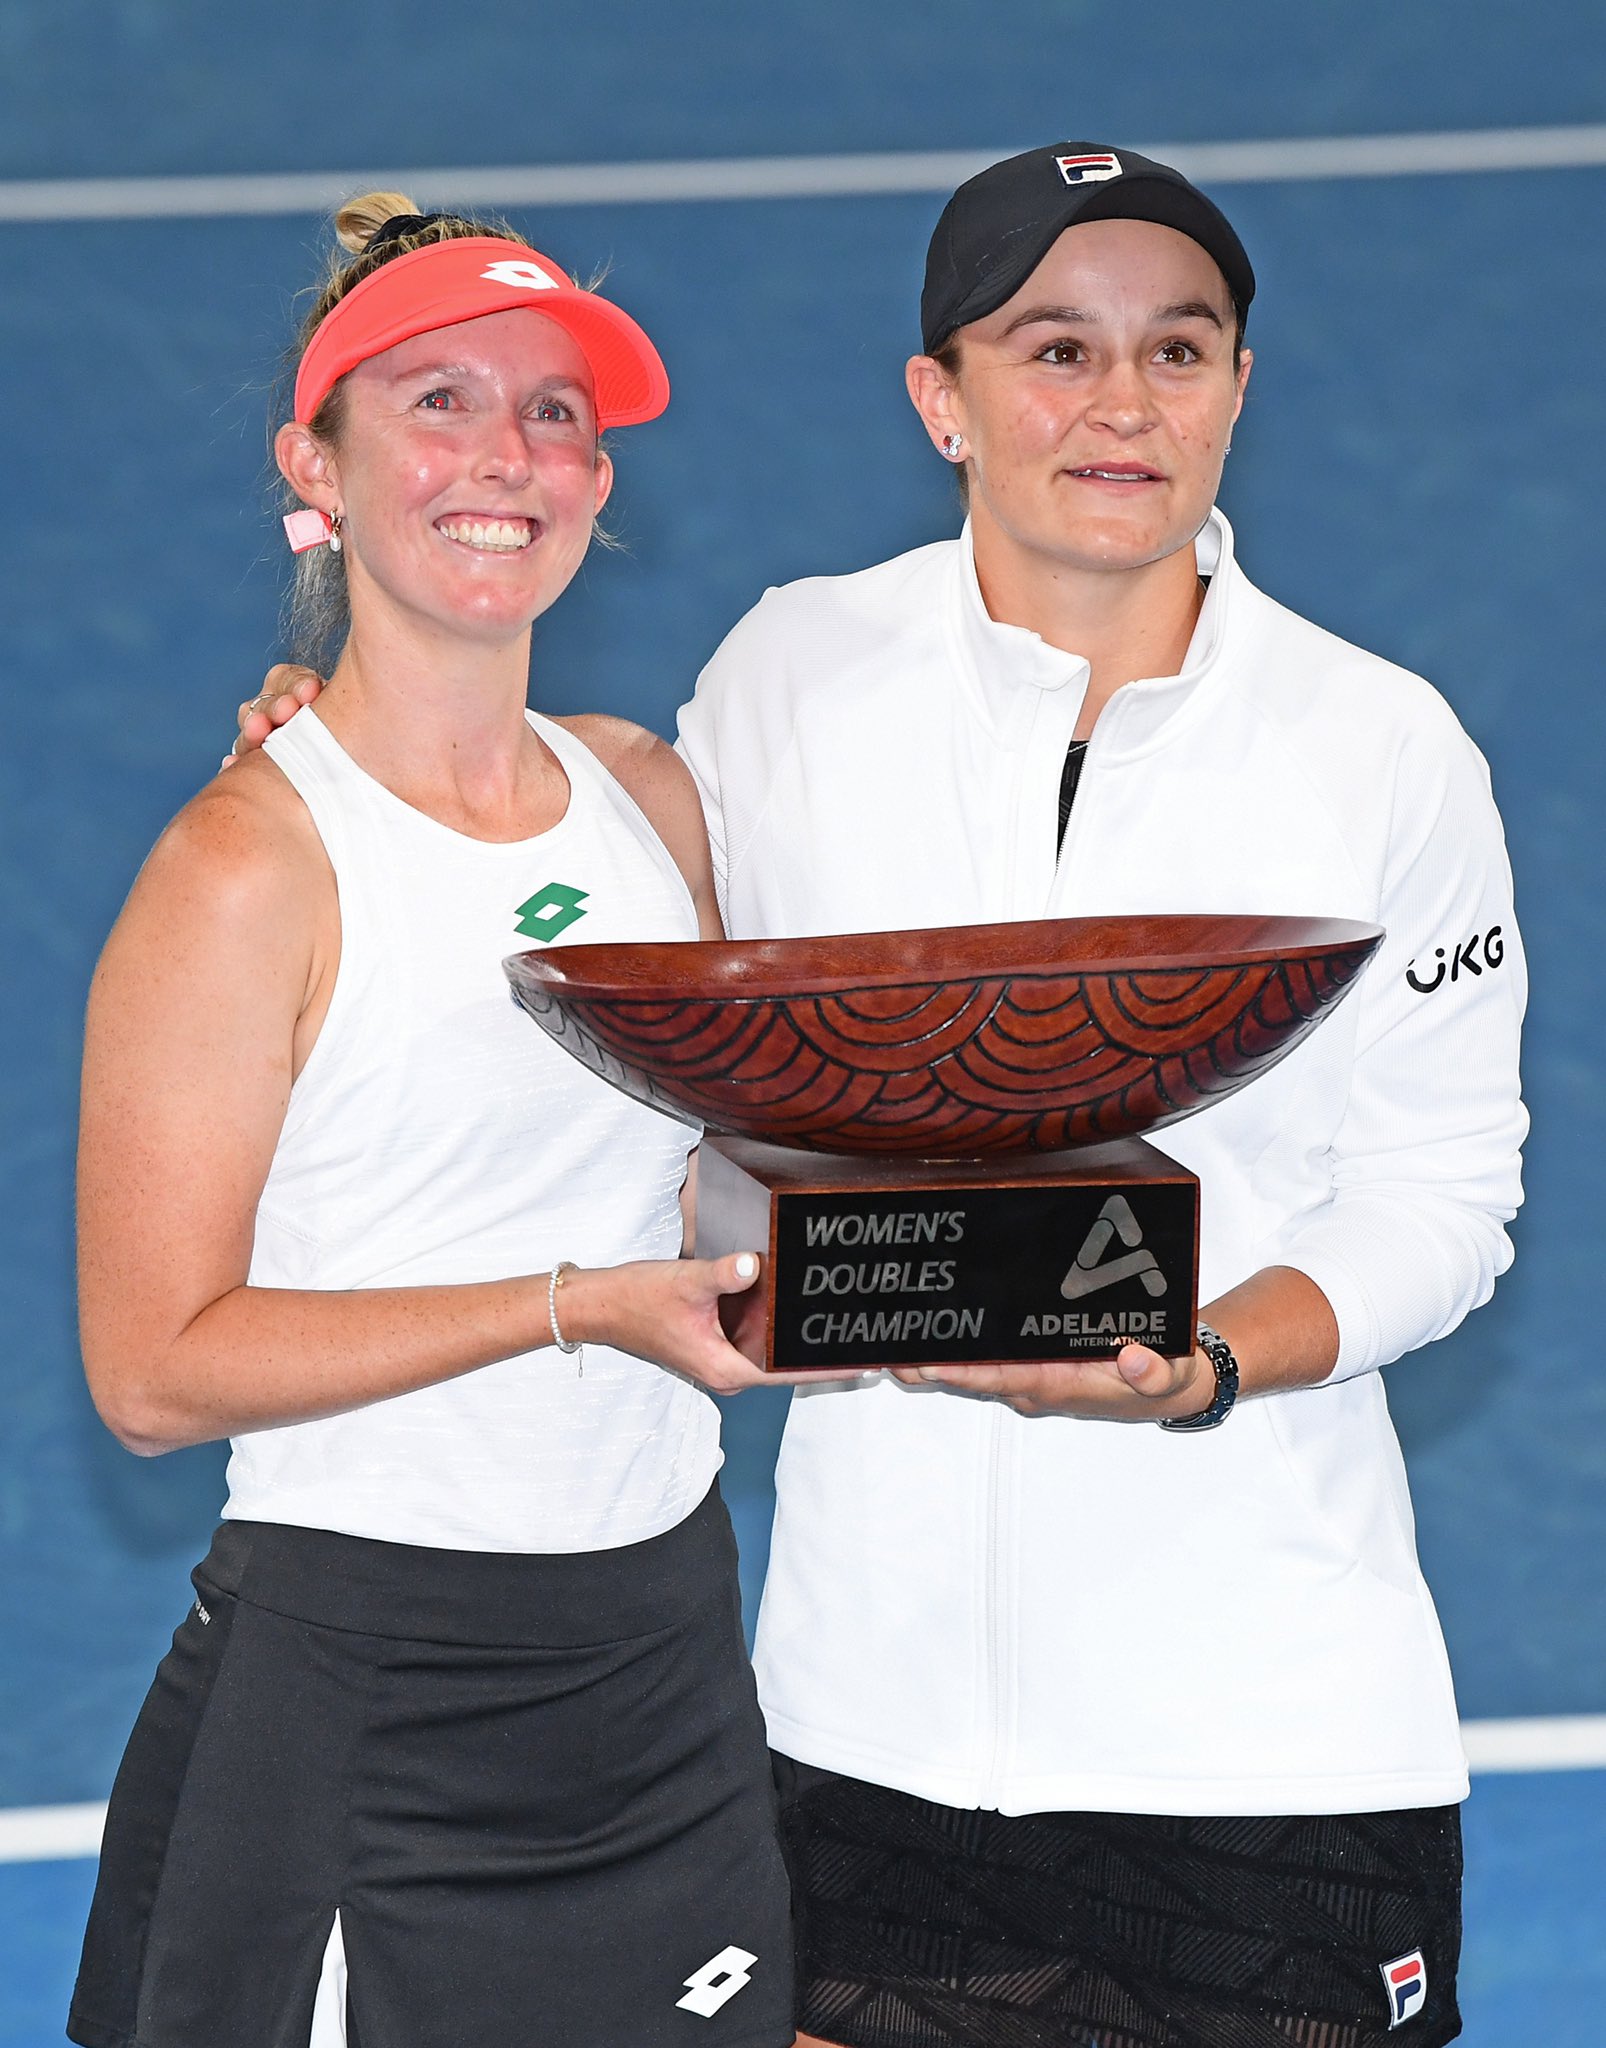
1000,225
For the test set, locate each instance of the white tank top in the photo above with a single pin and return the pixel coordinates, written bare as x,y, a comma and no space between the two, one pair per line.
436,1134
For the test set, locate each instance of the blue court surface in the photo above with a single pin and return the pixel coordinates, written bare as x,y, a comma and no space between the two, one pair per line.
1418,468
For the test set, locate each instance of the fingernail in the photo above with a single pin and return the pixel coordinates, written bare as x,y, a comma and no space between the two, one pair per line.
746,1266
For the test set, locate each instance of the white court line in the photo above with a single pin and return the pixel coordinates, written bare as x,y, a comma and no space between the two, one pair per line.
782,177
50,1834
1560,1742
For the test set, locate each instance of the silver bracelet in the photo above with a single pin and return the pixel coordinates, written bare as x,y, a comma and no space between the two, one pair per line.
554,1282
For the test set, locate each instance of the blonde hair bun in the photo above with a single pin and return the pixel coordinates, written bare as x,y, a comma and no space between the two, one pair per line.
360,219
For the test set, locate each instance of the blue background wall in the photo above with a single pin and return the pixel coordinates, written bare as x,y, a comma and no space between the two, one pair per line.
1418,469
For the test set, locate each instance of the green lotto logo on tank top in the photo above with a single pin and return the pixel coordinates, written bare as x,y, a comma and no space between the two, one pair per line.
550,911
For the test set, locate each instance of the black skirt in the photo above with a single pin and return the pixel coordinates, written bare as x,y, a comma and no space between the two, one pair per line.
928,1926
534,1788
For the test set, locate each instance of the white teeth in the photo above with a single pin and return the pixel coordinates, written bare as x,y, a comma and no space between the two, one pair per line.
504,535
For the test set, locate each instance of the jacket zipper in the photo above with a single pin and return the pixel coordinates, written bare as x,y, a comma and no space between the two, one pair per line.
993,1691
1078,811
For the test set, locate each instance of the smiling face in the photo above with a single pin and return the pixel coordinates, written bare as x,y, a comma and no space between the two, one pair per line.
1096,404
466,472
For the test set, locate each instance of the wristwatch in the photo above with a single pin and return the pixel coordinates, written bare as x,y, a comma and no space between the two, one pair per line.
1219,1353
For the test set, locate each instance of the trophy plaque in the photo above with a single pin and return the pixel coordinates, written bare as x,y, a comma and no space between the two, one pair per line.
936,1137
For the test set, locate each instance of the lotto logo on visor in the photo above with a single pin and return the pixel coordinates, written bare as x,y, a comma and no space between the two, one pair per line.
530,276
1406,1981
1089,170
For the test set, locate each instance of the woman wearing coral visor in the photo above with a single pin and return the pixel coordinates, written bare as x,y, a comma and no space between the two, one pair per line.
459,1738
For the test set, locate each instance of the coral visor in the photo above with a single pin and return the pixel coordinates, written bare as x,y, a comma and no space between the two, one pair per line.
450,281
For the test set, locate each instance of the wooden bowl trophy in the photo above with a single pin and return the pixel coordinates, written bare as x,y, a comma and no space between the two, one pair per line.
934,1135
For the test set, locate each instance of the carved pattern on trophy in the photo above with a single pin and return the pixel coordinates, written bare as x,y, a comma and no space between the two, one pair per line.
962,1042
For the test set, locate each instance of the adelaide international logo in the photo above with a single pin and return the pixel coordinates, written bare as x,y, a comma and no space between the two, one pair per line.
1093,1271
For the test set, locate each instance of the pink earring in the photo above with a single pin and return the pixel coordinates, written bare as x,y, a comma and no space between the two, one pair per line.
311,529
307,529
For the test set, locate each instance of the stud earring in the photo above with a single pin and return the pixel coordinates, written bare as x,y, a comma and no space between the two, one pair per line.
951,445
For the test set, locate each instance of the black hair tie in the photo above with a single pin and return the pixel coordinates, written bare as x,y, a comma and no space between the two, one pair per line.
398,226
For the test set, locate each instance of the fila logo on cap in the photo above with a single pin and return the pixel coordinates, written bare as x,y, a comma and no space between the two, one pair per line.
720,1978
515,271
1093,1271
1406,1981
1089,170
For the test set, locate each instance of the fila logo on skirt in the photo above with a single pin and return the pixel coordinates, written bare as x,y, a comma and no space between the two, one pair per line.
1406,1981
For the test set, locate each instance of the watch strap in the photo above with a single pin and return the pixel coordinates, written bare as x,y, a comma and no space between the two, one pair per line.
1219,1352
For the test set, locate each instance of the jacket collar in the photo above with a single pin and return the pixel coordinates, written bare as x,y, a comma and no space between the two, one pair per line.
1004,661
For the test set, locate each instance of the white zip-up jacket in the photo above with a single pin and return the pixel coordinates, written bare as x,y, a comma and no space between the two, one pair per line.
1051,1613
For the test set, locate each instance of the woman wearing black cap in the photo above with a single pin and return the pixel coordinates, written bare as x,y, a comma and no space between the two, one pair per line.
1093,1734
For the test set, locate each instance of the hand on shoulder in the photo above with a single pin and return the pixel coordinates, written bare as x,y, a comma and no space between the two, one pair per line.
285,690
